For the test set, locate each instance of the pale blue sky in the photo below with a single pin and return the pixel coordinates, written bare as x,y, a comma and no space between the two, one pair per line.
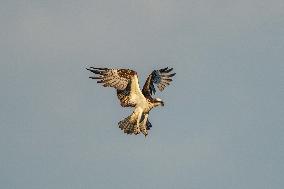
222,126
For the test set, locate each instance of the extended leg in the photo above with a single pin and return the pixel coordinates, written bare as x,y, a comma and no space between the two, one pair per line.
139,115
142,126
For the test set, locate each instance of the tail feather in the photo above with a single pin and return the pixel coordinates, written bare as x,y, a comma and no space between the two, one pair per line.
128,125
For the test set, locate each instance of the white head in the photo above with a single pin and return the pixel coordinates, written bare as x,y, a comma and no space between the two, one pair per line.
159,101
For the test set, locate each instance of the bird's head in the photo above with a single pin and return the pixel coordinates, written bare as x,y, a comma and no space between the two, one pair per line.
159,101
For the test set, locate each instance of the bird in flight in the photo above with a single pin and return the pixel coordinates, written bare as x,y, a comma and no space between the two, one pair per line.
126,83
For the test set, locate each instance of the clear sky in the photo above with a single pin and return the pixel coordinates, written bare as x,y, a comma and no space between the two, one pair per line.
222,126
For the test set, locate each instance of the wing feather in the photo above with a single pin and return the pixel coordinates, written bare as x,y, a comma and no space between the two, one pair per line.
117,78
120,79
161,78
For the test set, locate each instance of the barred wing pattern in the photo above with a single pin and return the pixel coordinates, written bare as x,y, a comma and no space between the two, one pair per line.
161,78
117,78
120,79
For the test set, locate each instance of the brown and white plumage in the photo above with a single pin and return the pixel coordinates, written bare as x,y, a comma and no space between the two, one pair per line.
125,81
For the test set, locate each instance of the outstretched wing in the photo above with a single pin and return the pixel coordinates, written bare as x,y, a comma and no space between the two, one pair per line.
120,79
161,78
117,78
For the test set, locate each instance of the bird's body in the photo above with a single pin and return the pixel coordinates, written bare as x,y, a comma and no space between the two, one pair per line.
126,83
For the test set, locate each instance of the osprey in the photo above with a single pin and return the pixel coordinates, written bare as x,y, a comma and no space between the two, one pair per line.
126,83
